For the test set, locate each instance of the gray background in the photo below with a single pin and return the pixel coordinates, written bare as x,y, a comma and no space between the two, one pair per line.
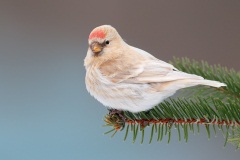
45,110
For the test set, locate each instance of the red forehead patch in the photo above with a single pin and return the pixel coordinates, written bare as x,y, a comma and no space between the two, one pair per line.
97,34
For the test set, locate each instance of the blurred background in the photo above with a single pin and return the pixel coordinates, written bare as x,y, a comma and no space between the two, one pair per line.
45,110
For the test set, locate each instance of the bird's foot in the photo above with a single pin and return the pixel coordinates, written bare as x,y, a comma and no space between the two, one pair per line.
118,113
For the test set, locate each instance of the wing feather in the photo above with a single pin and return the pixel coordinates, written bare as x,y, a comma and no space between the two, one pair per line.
141,67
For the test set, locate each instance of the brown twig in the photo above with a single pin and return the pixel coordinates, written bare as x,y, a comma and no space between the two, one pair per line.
145,122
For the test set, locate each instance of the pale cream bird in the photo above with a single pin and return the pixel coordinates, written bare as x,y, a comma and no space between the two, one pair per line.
124,77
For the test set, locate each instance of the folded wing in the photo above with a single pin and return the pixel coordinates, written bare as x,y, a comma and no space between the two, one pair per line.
141,67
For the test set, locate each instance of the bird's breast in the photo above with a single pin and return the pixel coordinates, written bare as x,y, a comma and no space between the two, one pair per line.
105,91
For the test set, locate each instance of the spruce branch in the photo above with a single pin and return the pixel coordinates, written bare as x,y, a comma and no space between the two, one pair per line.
195,106
235,138
215,72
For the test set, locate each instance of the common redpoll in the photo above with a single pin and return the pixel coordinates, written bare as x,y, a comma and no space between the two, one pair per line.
123,77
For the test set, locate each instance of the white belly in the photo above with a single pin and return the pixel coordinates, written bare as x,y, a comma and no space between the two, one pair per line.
124,96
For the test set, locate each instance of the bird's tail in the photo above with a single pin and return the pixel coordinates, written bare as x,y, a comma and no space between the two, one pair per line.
184,83
210,83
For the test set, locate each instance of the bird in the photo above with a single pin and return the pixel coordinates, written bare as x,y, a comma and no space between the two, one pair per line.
126,78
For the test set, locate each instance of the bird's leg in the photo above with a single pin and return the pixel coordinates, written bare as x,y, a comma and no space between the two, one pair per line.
113,111
117,112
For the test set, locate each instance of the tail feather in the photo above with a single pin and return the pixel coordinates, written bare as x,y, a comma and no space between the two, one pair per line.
211,83
191,80
184,83
194,82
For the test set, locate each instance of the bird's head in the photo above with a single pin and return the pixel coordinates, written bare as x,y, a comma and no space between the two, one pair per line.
103,39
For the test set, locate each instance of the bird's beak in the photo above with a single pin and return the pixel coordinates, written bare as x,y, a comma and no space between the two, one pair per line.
96,47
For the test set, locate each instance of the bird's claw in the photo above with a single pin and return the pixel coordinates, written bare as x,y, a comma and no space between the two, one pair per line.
118,113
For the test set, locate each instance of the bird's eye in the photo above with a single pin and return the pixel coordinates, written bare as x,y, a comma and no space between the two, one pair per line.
107,42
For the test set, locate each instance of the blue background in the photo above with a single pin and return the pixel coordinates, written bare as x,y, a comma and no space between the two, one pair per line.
45,110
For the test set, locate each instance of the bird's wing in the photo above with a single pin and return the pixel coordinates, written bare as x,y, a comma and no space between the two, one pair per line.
139,66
